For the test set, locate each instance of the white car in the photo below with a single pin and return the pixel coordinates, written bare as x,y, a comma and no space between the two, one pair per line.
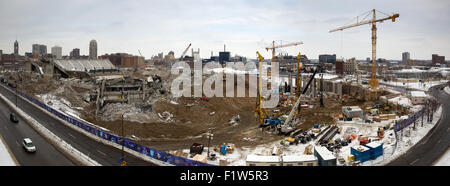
28,145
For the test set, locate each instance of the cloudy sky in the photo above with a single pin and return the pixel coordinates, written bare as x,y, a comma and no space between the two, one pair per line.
245,26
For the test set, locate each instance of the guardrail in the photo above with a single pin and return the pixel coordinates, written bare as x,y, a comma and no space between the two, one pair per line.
149,152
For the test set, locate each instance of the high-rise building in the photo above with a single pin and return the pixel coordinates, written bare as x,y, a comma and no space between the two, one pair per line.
340,67
57,52
43,50
405,57
75,54
35,49
437,60
16,48
327,58
93,49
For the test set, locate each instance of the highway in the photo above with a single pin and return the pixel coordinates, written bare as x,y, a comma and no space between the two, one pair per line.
104,154
13,133
435,144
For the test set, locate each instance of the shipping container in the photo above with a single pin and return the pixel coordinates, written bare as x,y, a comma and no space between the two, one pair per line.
376,149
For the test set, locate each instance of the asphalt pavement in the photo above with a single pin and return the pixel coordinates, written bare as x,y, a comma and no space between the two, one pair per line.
104,154
14,133
433,145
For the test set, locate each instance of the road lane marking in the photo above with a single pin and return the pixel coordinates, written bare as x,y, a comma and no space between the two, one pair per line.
5,127
72,136
101,152
448,129
414,161
18,144
439,141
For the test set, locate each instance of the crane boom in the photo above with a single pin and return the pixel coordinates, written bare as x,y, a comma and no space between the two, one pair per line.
184,53
373,81
287,125
365,22
280,46
286,45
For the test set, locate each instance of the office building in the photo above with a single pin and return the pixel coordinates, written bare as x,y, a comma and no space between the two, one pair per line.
35,49
327,58
93,49
75,54
437,60
57,52
43,50
340,67
405,57
16,48
124,60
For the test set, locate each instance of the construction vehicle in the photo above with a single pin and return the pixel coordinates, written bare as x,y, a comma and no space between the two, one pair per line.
380,133
288,126
268,121
373,81
184,53
363,140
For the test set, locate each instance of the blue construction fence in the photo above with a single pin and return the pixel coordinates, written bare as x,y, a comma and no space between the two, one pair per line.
405,123
152,153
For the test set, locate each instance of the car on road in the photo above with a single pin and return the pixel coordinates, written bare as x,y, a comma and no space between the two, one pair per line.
13,117
28,145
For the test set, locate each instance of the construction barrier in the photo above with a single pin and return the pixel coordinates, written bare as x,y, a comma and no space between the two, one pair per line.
405,123
152,153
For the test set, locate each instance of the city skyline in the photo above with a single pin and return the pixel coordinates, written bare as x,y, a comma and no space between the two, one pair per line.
244,26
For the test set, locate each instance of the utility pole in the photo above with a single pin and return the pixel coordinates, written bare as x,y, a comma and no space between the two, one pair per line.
16,93
210,136
123,162
321,91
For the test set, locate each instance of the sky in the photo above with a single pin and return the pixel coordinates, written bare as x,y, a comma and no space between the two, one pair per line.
244,26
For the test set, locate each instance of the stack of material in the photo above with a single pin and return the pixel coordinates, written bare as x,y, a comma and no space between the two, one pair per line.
200,158
223,162
308,150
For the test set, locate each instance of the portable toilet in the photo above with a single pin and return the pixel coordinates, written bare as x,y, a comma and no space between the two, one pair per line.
223,149
376,149
361,153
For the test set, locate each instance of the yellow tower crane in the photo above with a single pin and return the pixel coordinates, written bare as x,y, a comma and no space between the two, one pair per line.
280,46
297,81
373,81
261,111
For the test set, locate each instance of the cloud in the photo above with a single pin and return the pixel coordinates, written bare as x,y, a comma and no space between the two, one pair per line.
243,25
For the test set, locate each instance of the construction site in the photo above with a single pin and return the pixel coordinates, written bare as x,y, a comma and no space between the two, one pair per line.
322,118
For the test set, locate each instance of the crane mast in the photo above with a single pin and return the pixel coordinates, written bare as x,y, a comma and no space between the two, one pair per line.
373,81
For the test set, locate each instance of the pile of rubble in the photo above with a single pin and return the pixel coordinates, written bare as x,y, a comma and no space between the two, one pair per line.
140,113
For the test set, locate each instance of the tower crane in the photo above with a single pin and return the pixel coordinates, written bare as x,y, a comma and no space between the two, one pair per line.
280,46
261,111
373,81
297,81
